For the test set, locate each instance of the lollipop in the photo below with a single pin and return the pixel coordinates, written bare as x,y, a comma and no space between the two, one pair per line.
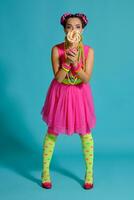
74,36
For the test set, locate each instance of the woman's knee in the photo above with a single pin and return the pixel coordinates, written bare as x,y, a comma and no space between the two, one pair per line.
85,134
50,131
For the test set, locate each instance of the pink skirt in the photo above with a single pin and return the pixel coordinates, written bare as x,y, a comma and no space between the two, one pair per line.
69,109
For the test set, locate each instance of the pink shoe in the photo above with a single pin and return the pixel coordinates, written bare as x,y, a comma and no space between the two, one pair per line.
47,185
88,185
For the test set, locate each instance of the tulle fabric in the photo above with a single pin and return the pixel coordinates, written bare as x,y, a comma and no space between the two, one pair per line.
69,109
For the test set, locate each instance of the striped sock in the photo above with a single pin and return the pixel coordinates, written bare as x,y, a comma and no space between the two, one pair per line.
88,152
48,149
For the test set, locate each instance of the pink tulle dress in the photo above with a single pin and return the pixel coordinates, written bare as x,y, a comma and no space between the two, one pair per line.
69,109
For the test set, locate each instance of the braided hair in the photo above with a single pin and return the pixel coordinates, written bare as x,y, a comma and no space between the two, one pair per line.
81,16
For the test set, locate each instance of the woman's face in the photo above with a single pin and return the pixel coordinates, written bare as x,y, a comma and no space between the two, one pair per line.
73,23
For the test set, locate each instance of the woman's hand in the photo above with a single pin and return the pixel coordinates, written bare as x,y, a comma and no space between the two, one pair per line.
72,55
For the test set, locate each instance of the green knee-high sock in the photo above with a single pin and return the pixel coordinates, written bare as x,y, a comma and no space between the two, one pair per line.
88,152
48,149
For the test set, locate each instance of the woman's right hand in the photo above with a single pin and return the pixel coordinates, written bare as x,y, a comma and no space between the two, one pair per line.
72,55
69,53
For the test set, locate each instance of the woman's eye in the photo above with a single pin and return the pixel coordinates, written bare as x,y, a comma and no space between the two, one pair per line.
68,27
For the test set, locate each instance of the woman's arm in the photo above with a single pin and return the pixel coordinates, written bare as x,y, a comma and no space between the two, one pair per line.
58,73
85,76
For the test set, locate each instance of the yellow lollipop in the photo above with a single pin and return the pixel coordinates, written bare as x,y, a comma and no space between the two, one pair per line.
74,36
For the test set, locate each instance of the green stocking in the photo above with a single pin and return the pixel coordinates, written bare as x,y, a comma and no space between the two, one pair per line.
88,152
48,149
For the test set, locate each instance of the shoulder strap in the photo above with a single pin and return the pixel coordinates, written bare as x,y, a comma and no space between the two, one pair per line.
60,49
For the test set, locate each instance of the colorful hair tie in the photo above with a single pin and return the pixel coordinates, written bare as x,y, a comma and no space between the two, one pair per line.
63,17
81,15
84,18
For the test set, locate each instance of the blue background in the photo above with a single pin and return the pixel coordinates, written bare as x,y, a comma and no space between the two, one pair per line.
28,30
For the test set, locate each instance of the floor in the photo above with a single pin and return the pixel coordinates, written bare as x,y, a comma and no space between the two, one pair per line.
20,177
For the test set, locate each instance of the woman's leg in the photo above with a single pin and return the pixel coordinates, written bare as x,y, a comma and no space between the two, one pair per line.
88,152
48,149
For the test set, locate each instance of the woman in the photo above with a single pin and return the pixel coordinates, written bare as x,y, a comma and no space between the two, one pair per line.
69,107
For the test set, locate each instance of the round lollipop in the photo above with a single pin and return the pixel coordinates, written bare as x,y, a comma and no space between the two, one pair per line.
73,36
